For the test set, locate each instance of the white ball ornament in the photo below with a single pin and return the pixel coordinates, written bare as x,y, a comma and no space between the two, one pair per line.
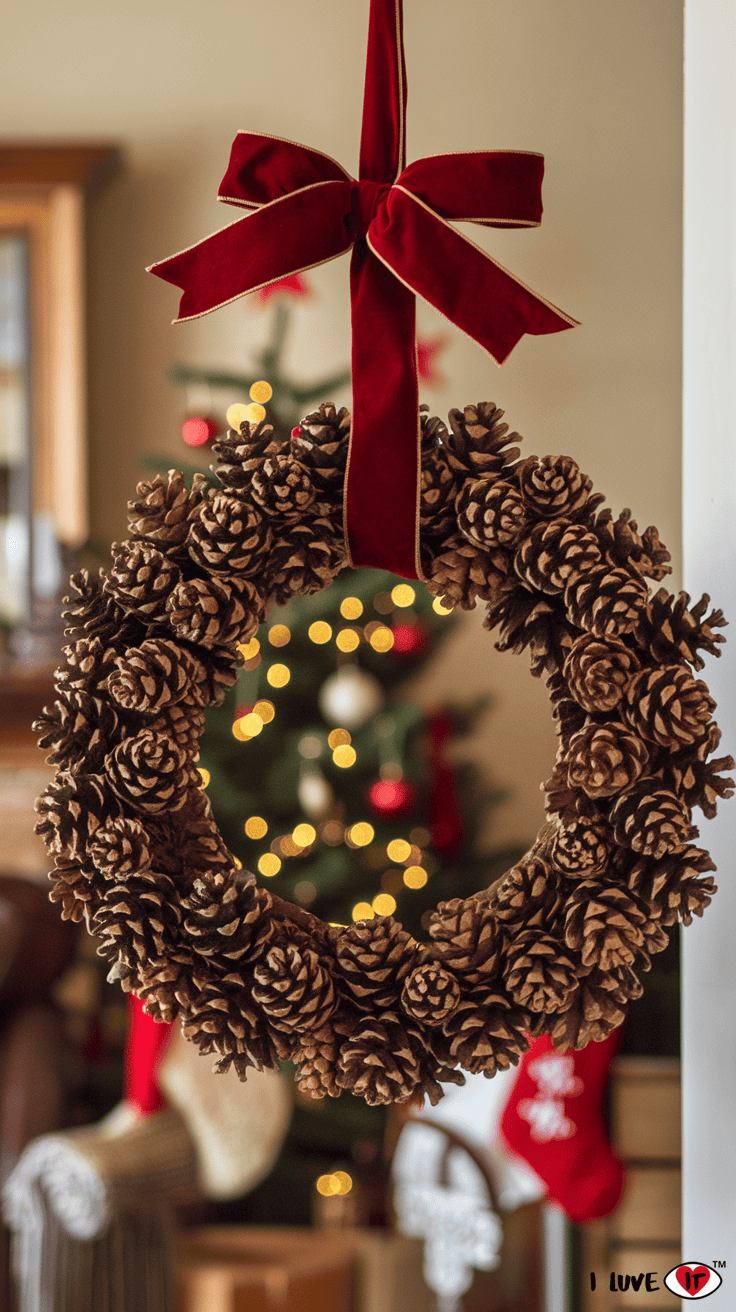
315,795
350,697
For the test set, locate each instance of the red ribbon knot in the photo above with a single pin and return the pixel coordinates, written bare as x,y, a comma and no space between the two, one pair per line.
306,210
366,200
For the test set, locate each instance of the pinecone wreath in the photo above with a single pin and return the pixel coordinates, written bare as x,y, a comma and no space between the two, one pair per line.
554,946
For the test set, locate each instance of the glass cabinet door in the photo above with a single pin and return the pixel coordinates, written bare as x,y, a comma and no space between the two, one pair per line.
43,448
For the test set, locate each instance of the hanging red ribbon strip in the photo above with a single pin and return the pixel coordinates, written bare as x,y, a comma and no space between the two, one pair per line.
308,210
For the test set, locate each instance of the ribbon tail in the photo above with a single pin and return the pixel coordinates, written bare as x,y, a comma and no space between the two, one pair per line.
289,235
460,280
382,480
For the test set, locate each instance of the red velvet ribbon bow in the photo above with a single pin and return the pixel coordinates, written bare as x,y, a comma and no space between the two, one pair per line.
308,210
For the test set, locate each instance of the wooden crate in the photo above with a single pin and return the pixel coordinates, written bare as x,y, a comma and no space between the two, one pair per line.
643,1234
254,1269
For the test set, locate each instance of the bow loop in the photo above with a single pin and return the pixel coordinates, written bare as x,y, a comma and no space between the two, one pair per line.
263,169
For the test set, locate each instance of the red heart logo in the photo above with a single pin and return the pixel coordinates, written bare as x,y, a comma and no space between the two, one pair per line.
693,1278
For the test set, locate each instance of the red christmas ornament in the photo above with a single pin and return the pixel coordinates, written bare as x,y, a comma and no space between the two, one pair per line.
198,431
410,639
391,799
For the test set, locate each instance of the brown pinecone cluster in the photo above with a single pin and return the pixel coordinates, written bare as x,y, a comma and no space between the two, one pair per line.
553,947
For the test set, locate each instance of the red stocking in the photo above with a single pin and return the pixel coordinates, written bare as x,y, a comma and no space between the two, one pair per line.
148,1041
554,1120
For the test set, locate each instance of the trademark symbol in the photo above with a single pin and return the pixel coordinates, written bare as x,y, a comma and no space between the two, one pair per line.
721,1265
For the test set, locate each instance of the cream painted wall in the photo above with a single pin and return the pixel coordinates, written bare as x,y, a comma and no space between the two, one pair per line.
594,84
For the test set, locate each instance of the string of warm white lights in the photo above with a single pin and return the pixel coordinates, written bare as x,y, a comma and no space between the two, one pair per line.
409,866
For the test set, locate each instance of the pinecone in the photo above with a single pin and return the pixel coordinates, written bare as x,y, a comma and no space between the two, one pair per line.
212,672
373,957
582,848
74,887
430,993
570,716
438,485
538,974
151,772
281,486
554,487
150,677
210,612
597,673
120,848
79,728
604,759
71,809
163,510
202,850
673,633
381,1062
562,799
622,545
228,917
305,561
606,602
229,536
695,779
87,664
485,1038
610,926
92,613
527,620
530,894
315,1062
139,919
461,572
184,724
477,441
598,1007
465,939
241,454
491,513
555,553
322,446
673,886
651,820
222,1020
294,989
141,578
163,986
667,706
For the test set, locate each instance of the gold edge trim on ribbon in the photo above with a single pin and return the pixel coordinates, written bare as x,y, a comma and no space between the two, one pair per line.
185,318
574,323
310,186
401,161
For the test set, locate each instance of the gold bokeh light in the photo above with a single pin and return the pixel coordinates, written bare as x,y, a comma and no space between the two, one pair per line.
403,595
278,676
304,835
415,877
256,827
320,632
348,639
351,608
